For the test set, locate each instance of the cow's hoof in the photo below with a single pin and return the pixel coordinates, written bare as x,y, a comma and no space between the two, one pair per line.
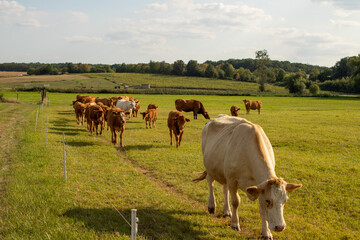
270,237
211,210
236,227
227,215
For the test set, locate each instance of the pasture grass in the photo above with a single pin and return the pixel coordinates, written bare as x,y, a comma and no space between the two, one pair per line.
315,140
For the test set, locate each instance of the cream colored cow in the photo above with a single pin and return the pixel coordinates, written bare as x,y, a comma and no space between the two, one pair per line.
238,154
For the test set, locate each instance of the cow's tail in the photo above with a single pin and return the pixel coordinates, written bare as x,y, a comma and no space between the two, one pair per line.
201,177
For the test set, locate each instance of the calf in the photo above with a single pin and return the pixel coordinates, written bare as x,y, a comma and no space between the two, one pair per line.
116,121
106,101
253,105
152,106
150,116
137,107
80,112
96,118
234,110
176,125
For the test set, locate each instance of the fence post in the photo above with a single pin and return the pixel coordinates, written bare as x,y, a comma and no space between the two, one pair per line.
134,221
37,112
64,157
47,123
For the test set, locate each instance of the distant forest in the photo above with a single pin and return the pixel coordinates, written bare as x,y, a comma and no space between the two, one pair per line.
344,76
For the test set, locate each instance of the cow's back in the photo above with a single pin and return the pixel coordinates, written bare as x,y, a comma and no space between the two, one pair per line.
233,147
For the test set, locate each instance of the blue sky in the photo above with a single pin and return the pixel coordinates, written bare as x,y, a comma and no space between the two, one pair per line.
132,31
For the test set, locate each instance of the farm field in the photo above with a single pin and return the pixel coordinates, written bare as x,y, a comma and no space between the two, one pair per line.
315,140
160,83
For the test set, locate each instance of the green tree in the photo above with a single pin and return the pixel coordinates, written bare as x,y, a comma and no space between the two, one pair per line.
314,74
314,89
355,76
262,60
210,71
295,82
179,67
193,68
280,75
228,69
31,71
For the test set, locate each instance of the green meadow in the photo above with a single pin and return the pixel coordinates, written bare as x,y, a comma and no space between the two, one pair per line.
315,140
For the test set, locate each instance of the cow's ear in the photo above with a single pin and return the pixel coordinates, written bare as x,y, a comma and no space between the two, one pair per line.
186,119
291,187
253,193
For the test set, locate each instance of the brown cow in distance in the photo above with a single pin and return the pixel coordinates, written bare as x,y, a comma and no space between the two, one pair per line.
150,116
80,112
152,106
234,110
84,99
253,105
191,105
137,107
176,125
106,101
116,121
96,118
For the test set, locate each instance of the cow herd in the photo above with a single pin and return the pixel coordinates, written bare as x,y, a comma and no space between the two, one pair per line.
236,152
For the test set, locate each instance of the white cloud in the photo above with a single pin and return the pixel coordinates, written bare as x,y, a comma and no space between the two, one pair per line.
345,23
83,39
79,16
344,4
11,8
29,22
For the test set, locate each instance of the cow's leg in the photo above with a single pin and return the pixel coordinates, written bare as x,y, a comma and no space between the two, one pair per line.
121,138
211,202
227,210
177,137
171,137
265,231
153,123
112,136
180,137
259,110
91,127
115,135
146,123
235,201
96,126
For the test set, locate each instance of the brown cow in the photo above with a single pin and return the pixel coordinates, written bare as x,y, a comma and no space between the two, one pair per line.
80,112
176,125
150,116
96,118
234,110
137,107
116,121
84,99
252,104
106,101
191,105
152,106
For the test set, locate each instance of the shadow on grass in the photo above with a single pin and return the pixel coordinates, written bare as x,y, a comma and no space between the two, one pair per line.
80,144
139,147
153,223
72,112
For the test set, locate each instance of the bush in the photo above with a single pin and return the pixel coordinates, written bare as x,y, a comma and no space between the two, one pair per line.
314,89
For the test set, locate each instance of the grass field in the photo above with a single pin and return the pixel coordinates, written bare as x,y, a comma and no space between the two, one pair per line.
316,143
159,84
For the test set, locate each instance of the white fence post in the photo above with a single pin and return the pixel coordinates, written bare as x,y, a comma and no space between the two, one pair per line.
134,225
64,156
37,112
47,123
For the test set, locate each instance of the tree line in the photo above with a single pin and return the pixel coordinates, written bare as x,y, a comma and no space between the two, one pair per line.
344,76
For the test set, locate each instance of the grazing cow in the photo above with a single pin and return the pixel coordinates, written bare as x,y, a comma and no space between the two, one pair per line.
106,101
137,107
96,118
253,105
176,125
150,116
152,106
80,112
116,121
238,154
234,110
191,105
126,106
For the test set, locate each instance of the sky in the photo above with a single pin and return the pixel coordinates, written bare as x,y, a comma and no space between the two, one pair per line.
315,32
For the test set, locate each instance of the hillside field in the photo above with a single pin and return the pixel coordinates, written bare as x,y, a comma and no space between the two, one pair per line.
315,140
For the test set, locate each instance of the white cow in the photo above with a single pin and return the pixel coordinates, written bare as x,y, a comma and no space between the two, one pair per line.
126,106
238,154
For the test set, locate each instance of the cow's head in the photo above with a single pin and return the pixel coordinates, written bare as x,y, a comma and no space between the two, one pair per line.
272,196
100,115
206,115
245,100
143,114
120,115
181,120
